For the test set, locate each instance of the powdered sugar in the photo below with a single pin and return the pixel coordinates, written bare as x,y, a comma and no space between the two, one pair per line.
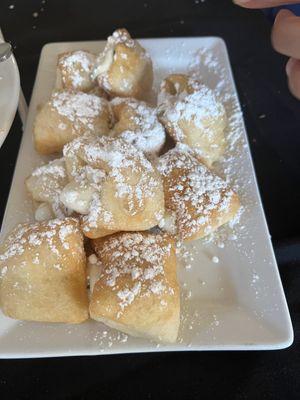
79,108
127,296
114,53
157,287
204,297
31,236
52,168
107,57
76,66
65,231
45,185
198,105
139,125
193,192
205,63
121,36
138,257
132,175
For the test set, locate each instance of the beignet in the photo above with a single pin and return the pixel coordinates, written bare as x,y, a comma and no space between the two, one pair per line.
113,185
74,70
67,115
137,123
45,185
43,272
192,115
137,292
200,200
124,68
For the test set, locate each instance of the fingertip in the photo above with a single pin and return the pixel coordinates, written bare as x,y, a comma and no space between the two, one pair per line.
284,33
243,3
284,12
293,74
259,4
289,66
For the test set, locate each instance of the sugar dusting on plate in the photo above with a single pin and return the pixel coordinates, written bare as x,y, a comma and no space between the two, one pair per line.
205,66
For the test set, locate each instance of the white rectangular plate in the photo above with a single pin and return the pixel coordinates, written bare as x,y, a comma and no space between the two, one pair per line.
236,303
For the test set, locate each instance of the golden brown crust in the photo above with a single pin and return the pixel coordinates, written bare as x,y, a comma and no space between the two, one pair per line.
176,83
68,115
43,273
138,291
137,123
75,69
118,186
201,200
95,233
129,72
192,115
132,76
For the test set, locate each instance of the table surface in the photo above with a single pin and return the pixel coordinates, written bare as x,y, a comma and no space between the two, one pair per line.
273,123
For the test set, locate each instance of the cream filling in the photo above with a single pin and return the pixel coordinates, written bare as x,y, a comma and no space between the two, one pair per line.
77,197
103,61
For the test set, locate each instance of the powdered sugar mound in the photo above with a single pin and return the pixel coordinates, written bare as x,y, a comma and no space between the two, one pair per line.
198,106
78,107
96,160
118,155
144,130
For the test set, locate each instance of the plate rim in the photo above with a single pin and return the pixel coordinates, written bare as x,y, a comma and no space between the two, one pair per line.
8,121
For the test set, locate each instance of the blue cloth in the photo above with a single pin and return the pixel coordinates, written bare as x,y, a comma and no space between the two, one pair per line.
272,12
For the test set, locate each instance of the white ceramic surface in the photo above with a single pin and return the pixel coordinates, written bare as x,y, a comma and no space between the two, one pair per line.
235,304
9,94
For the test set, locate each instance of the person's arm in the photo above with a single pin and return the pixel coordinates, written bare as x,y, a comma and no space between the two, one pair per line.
285,35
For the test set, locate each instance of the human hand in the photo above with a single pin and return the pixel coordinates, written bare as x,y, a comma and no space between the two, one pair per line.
285,37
